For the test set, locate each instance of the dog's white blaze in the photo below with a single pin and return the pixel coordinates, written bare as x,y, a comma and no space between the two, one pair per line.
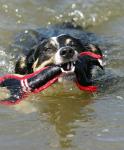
55,42
58,59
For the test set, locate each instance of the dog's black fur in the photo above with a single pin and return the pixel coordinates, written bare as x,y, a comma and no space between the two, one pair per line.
53,45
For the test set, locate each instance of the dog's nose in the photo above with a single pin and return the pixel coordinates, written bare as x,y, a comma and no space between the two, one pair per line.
67,52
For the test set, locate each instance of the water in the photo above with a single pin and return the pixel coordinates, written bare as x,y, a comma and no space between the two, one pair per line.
74,120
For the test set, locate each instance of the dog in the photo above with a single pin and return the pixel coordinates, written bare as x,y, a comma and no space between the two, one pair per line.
60,47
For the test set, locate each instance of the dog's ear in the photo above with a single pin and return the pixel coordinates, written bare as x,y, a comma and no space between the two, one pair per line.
95,49
21,66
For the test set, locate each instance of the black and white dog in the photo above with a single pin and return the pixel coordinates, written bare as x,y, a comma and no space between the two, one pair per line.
55,45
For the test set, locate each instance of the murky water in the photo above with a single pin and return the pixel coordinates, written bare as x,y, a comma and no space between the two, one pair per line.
74,120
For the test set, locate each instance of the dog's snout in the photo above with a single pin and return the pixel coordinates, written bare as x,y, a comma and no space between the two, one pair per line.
67,52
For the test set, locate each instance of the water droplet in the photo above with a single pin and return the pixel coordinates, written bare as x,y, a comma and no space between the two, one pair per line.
26,31
6,10
5,6
70,135
16,10
99,134
105,130
75,19
77,12
19,16
49,23
60,15
73,6
119,97
19,21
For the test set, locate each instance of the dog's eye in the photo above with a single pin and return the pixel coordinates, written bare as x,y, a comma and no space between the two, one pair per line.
47,49
71,44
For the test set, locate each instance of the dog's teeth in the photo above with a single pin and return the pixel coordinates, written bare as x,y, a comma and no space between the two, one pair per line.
72,65
73,69
68,66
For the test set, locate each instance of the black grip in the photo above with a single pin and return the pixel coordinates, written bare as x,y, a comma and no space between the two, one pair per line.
43,77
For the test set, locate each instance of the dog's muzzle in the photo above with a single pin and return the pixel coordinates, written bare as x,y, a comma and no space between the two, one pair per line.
67,56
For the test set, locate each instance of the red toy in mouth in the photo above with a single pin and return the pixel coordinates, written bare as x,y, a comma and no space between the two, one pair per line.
20,87
93,55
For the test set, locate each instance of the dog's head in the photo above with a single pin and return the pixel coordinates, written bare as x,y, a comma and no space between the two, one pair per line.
59,50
